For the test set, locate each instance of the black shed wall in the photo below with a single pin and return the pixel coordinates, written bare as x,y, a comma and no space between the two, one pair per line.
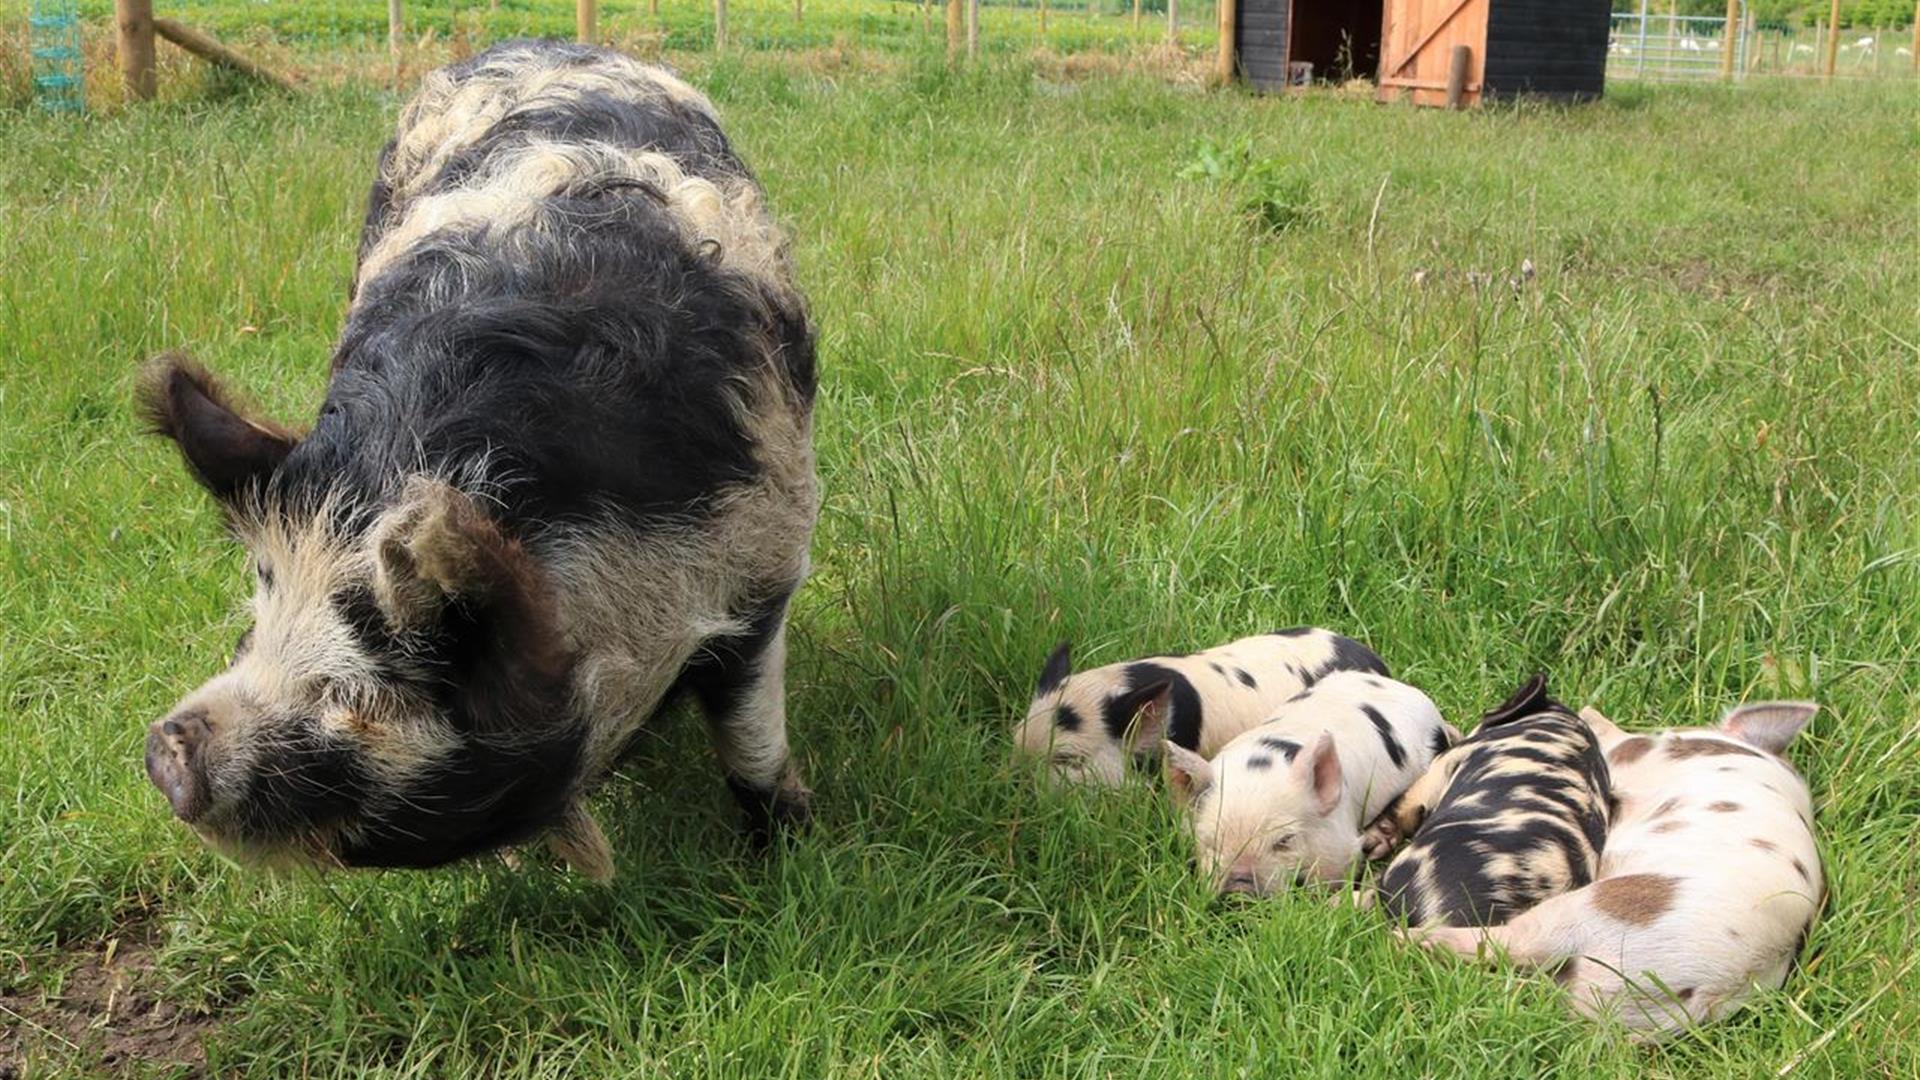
1260,29
1549,48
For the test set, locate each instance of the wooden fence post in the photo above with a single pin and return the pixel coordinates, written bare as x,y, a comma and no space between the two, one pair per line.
1916,36
1833,39
396,29
1043,18
1731,36
133,20
1458,64
1136,16
798,15
719,25
585,14
973,29
956,28
1173,21
1223,64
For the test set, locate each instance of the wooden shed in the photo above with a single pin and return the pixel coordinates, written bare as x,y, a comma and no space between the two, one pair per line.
1546,48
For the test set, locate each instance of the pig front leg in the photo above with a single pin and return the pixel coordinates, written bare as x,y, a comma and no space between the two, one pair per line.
1403,815
741,685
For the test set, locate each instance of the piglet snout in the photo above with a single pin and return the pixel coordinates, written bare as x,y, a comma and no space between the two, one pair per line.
1240,882
173,751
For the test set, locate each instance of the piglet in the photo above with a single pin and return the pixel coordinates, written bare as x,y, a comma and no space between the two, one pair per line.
1286,801
1707,887
1087,725
1513,815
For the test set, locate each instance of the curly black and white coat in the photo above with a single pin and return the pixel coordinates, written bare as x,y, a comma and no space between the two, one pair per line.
563,470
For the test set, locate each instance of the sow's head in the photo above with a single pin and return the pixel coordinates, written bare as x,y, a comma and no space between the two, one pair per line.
401,697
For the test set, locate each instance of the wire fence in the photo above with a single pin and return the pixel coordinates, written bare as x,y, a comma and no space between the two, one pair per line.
1667,46
324,42
683,25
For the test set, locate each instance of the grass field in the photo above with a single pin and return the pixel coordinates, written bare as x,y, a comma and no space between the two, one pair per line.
1067,393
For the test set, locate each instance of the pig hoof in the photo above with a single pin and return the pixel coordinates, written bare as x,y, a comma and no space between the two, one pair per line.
1378,843
780,811
1460,941
793,808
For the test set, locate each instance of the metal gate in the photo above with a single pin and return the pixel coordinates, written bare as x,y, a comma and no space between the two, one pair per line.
1646,45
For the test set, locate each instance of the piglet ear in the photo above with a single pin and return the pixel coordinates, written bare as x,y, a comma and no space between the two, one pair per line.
1059,666
1319,770
1188,774
1602,727
229,452
1769,725
1149,727
1531,698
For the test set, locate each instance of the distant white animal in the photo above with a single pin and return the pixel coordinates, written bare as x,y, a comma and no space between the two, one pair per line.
1690,44
1864,43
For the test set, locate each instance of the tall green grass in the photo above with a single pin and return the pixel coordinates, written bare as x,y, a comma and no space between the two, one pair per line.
1066,394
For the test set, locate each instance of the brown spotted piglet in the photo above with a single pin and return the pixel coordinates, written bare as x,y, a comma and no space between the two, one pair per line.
1513,815
1707,887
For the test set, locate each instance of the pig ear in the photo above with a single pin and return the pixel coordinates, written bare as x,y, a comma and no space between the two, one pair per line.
441,564
1602,727
436,545
1188,774
226,450
1149,727
1319,769
1769,725
1059,666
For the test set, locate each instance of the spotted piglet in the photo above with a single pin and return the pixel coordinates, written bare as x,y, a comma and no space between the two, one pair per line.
1087,725
1286,801
1707,887
1513,815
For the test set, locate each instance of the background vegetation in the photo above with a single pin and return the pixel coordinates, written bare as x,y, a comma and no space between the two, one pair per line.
1080,383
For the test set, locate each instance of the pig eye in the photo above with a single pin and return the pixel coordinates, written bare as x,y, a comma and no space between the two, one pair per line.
1284,843
1065,760
264,573
246,642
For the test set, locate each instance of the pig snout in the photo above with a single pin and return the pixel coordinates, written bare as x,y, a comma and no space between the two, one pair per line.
173,752
1241,882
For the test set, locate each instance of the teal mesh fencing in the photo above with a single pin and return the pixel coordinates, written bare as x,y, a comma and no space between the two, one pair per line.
53,41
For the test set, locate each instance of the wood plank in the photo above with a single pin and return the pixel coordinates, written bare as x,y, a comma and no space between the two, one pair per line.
1431,31
207,48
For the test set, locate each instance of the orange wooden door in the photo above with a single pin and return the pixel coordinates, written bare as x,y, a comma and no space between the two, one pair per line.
1416,45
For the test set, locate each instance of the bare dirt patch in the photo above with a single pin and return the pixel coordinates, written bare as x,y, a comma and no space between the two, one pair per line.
108,1012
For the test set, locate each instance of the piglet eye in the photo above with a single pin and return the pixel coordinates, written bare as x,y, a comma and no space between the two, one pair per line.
1284,843
264,573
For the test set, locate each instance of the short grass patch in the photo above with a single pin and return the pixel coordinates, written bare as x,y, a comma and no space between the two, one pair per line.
1068,392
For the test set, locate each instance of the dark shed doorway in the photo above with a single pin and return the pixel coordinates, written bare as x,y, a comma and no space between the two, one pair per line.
1286,42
